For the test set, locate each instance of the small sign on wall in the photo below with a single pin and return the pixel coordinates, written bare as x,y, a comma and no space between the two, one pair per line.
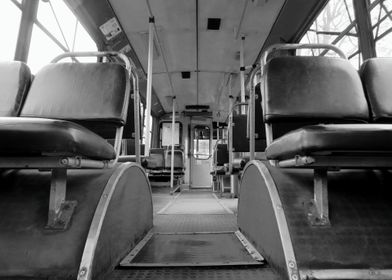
110,29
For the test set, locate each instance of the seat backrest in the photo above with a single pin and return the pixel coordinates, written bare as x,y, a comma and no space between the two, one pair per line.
79,92
377,81
259,124
156,159
221,155
178,159
240,141
15,79
312,89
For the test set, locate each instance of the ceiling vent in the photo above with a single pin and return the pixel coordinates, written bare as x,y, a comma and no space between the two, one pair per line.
213,23
197,107
186,75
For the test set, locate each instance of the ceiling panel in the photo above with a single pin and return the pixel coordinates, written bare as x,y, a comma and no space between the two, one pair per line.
217,50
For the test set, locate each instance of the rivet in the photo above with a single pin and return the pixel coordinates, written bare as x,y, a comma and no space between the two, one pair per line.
83,272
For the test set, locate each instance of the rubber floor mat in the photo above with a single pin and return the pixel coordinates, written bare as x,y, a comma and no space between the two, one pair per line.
195,223
187,249
195,203
192,273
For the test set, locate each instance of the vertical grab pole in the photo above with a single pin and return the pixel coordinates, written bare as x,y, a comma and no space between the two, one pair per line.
231,133
242,74
136,103
149,84
172,146
252,122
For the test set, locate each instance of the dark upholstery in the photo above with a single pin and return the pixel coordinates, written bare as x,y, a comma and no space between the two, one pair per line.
178,159
79,92
333,138
222,155
131,147
129,128
376,74
240,141
259,124
37,136
312,88
156,159
15,79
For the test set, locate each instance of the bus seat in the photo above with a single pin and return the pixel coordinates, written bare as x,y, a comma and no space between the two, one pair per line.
312,88
61,96
86,93
333,139
221,155
376,78
318,90
178,159
240,141
51,137
156,159
15,79
259,128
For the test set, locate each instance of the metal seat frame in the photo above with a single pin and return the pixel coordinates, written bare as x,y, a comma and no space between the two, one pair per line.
61,210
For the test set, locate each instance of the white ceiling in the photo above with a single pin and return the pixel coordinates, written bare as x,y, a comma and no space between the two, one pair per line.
218,50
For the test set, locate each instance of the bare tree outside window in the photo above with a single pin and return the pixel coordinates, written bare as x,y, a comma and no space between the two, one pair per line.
335,25
381,16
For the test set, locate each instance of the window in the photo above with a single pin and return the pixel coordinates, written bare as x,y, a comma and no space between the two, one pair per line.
381,17
145,129
335,25
10,16
166,134
201,142
59,31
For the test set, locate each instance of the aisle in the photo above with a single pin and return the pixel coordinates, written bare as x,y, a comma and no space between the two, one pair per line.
195,236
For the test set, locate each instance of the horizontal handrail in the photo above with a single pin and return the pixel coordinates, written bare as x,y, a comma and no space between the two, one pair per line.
278,47
123,57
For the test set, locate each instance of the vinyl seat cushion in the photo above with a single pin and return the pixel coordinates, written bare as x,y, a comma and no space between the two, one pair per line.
20,136
327,139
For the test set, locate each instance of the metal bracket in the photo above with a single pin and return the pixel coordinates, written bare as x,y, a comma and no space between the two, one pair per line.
249,247
318,209
60,210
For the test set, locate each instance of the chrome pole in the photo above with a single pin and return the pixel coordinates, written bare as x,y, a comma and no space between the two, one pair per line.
172,146
252,124
230,127
149,85
136,103
252,118
242,74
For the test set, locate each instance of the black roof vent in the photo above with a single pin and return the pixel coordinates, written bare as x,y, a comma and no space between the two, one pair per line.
213,23
186,74
197,107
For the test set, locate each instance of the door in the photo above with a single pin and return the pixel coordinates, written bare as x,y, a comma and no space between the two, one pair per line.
201,159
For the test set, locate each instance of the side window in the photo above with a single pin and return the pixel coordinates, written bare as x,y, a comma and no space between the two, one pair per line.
201,142
166,134
381,16
335,25
145,128
10,15
58,31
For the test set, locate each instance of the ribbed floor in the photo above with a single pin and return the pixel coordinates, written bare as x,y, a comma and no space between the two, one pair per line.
192,249
195,203
194,212
187,273
195,223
